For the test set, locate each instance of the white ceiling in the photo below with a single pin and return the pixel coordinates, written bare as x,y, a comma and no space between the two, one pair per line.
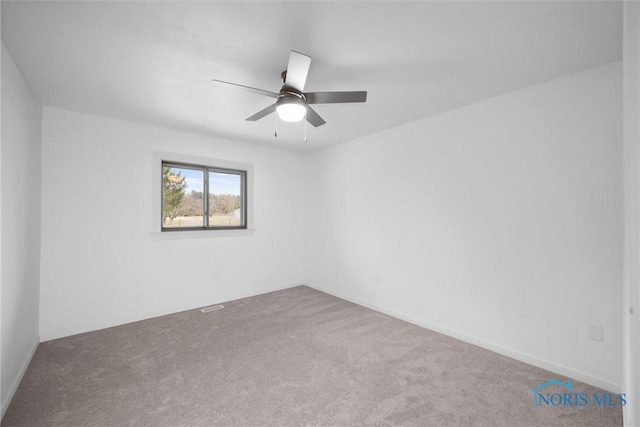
153,61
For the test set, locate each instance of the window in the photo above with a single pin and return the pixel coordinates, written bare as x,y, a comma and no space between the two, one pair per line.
196,197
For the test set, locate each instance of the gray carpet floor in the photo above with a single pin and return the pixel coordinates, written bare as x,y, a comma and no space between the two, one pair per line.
291,357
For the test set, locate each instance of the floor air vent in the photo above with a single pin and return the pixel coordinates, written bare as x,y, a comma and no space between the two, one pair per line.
212,308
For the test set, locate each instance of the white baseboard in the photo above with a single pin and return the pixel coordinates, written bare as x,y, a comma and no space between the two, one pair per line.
497,348
48,335
6,399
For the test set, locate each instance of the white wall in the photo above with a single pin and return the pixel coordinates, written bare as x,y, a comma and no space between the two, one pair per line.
101,265
631,150
499,223
21,125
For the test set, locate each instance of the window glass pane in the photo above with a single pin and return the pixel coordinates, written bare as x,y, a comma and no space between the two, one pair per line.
225,195
182,197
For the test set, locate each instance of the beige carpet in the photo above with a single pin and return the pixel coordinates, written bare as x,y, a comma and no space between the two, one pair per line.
292,357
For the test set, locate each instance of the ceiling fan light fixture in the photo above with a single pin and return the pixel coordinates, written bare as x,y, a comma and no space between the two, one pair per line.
291,109
292,103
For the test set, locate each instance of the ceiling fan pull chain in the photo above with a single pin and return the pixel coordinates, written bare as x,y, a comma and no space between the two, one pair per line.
305,128
276,132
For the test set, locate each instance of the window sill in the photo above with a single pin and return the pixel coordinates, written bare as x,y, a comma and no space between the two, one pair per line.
200,234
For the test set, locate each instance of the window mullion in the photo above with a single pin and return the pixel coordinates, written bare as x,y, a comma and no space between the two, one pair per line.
205,194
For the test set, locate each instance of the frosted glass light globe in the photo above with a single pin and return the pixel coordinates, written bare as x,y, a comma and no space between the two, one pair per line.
291,109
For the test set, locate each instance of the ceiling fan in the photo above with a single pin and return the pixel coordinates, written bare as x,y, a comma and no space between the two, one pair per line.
292,104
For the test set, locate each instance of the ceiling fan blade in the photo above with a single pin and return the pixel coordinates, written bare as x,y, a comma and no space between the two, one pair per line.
264,112
249,88
335,97
297,70
314,118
